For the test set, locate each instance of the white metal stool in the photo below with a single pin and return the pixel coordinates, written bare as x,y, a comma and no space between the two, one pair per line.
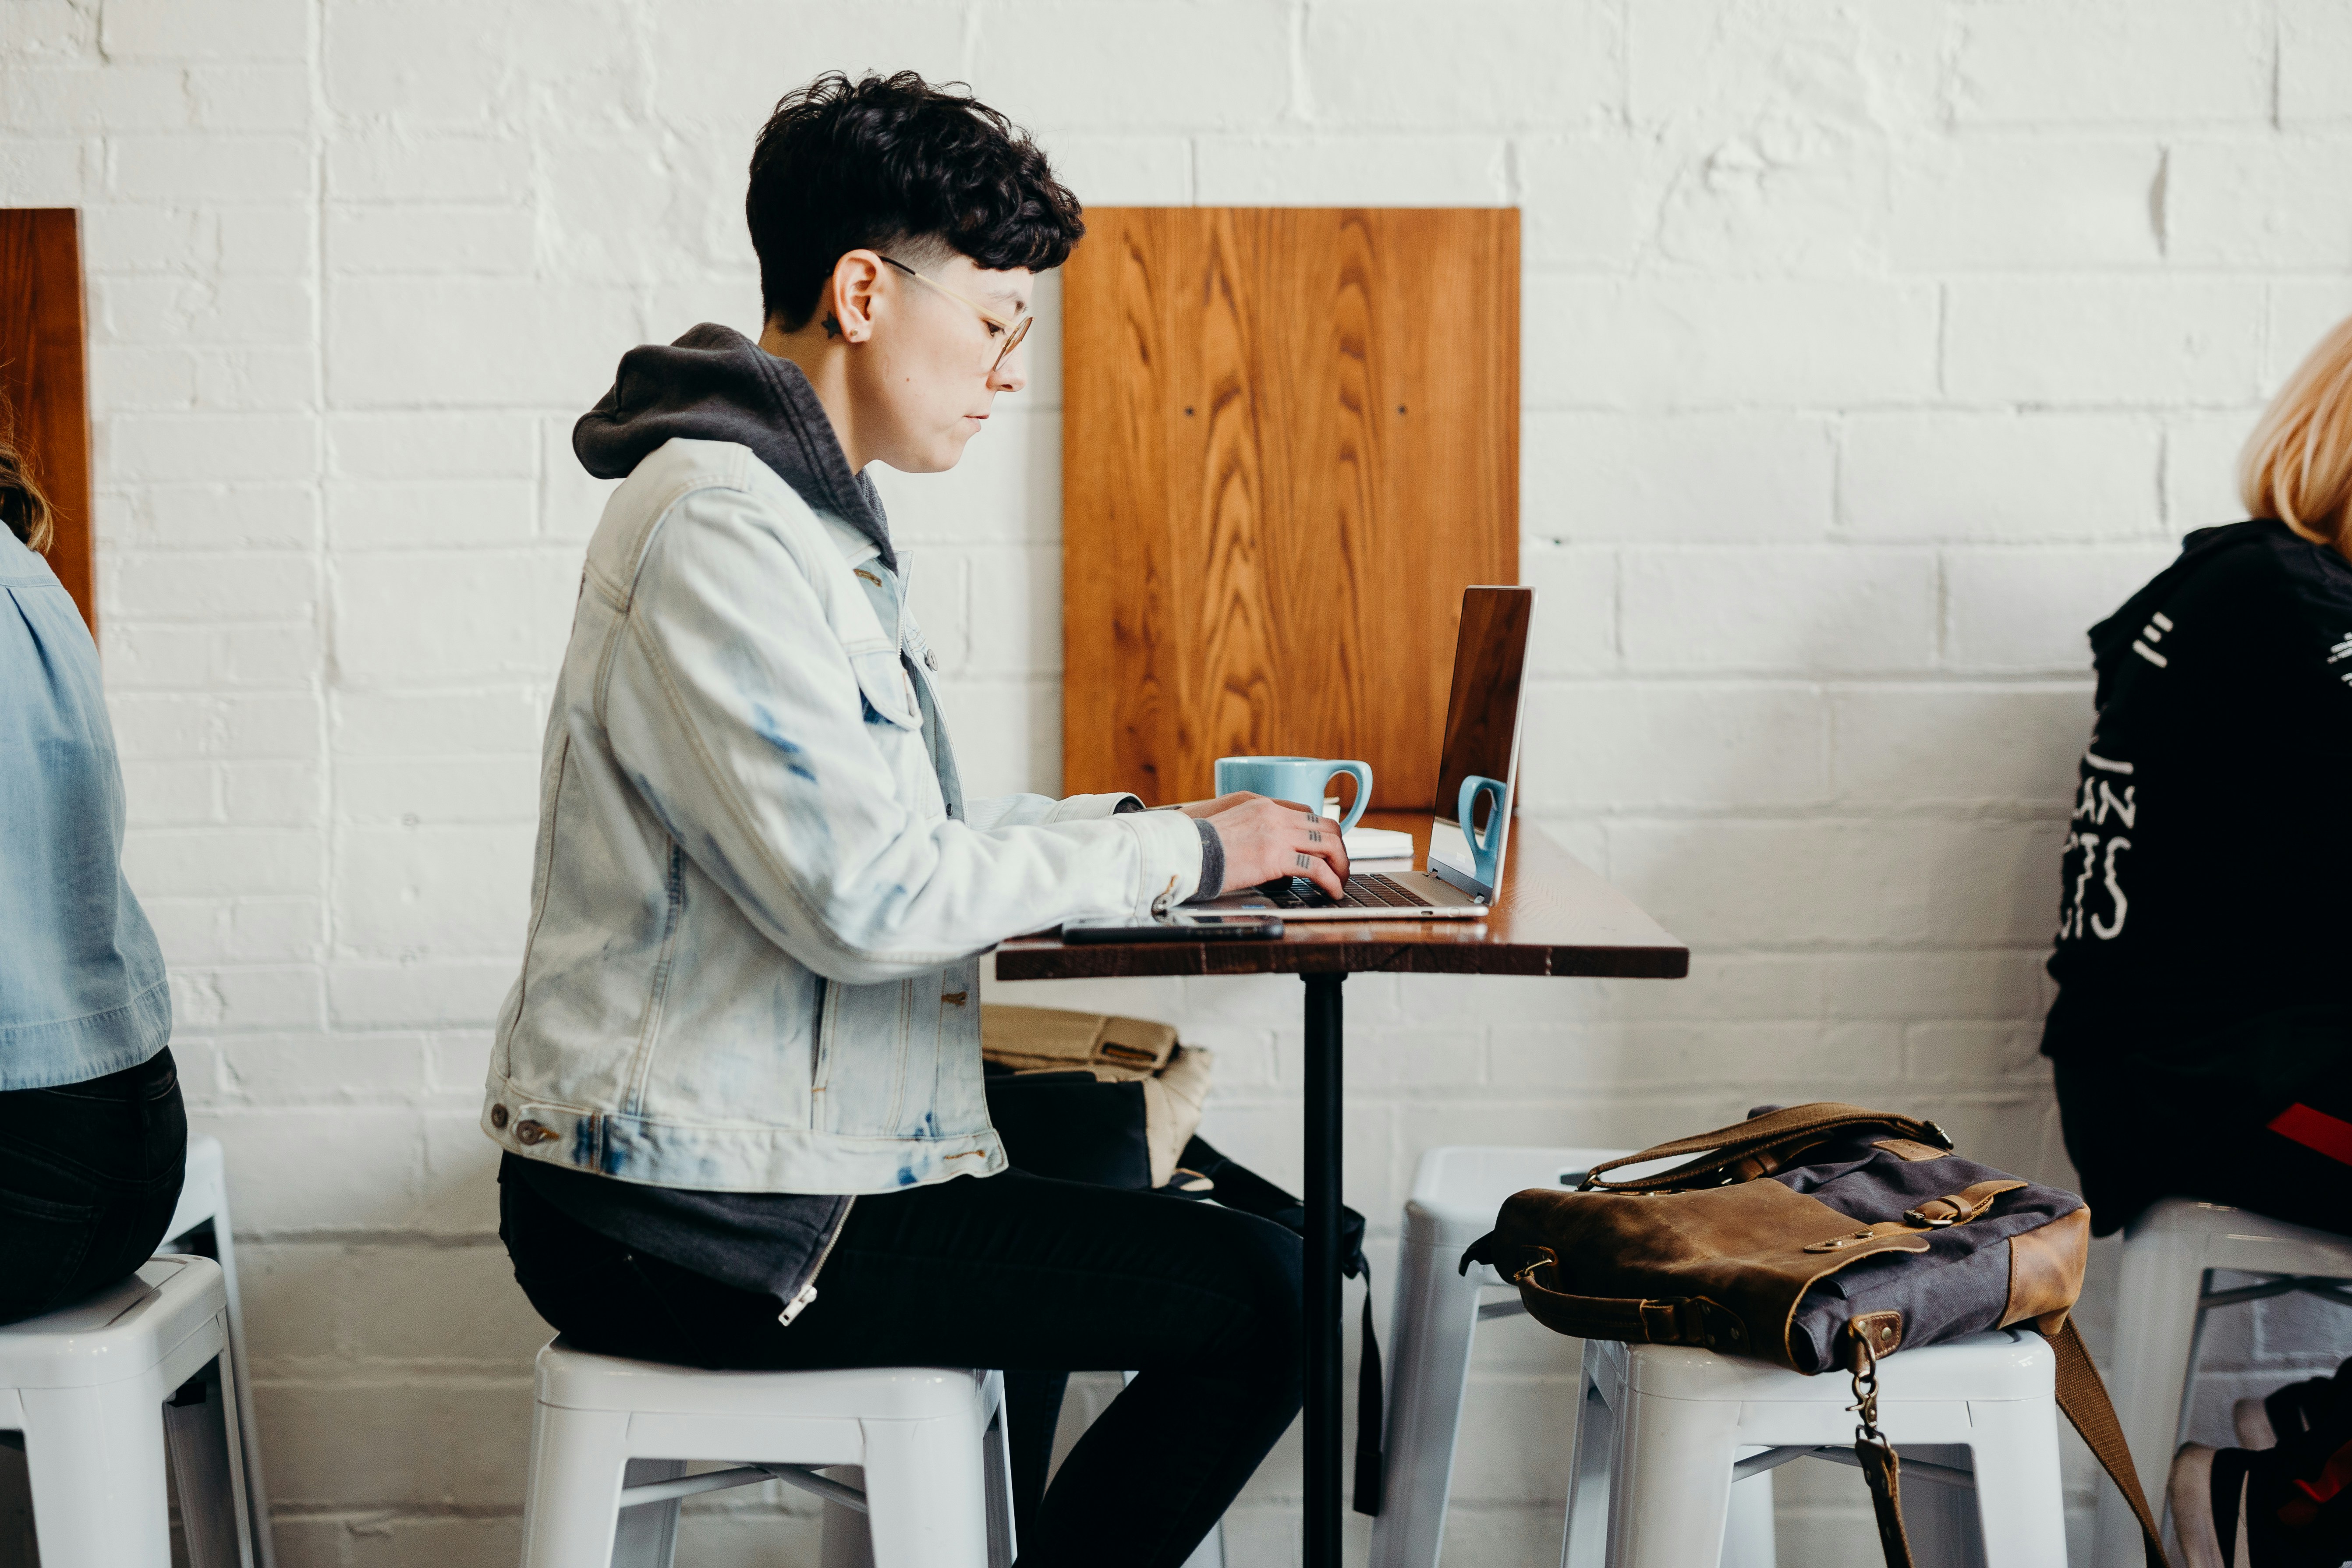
1456,1193
200,1224
2160,1325
611,1439
1661,1429
100,1390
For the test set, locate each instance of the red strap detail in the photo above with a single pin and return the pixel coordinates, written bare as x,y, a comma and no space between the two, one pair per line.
2330,1135
2333,1477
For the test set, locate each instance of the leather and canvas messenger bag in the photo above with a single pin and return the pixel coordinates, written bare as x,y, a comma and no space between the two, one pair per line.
1817,1238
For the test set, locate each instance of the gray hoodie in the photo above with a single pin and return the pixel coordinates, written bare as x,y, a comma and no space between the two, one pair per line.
715,385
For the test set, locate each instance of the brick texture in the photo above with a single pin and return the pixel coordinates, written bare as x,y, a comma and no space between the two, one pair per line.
1869,355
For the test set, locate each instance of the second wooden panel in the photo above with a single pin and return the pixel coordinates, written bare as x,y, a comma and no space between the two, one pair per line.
1290,439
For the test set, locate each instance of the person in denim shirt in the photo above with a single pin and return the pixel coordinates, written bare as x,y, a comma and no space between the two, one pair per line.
93,1139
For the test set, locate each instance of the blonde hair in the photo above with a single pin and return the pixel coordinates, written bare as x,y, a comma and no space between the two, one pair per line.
24,507
2297,465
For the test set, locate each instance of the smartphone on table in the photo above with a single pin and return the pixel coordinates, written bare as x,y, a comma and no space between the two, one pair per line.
1177,927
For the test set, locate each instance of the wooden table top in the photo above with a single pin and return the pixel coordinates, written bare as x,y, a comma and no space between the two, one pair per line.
1555,916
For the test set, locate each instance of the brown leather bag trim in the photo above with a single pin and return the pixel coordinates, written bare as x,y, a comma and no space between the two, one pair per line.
1881,1331
1969,1203
1910,1149
2045,1270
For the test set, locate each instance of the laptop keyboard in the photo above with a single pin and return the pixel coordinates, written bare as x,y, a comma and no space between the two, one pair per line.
1371,892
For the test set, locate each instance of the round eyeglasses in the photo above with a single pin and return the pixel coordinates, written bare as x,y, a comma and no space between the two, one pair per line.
1012,332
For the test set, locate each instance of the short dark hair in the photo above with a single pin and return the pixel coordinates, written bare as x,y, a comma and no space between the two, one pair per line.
894,161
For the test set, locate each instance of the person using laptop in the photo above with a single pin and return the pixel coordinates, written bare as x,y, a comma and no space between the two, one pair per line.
739,1071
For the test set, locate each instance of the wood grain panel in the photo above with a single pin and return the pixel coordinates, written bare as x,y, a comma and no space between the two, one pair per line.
1290,439
43,382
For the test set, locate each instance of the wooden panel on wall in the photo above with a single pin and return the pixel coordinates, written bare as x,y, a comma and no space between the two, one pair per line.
41,378
1290,439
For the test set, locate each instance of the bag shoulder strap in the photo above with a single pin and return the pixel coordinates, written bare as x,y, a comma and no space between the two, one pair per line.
1723,1151
2084,1397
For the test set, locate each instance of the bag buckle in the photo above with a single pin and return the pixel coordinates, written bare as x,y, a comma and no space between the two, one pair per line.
1933,1222
1663,1320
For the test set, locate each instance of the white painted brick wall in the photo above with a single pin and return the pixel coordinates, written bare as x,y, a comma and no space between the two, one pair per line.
1868,357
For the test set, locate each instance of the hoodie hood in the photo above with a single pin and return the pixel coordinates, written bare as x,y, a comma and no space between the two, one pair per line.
715,385
2111,639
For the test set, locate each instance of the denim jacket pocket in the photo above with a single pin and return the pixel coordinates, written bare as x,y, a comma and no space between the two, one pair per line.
889,694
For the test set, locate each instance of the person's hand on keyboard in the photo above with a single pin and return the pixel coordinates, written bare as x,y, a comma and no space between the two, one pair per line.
1267,840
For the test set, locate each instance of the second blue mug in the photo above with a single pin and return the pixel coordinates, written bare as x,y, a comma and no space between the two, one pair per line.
1303,780
1486,848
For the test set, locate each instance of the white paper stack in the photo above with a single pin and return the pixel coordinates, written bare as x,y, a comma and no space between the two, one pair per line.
1377,844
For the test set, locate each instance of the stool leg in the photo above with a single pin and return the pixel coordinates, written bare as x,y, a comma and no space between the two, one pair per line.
96,1456
257,1497
996,1480
572,1501
645,1536
1749,1523
199,1435
1671,1483
847,1542
2020,1505
926,1502
2147,1373
1585,1542
1436,1318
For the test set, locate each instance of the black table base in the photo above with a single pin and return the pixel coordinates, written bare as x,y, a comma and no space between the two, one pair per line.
1321,1501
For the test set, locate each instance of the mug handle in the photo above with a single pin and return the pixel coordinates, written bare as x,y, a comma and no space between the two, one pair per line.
1363,777
1485,848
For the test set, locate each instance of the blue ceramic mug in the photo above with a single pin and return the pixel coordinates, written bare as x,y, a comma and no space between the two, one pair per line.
1303,780
1486,848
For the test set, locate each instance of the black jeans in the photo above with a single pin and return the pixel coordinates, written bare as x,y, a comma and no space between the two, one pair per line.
89,1174
1039,1277
2192,1119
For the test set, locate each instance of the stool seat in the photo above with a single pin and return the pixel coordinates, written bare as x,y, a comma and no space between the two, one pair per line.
611,1440
131,1327
88,1386
1666,1434
579,1380
2006,1364
2160,1323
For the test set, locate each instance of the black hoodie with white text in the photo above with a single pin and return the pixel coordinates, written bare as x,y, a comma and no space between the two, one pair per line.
2209,855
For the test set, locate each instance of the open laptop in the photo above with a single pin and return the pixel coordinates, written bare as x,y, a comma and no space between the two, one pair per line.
1482,739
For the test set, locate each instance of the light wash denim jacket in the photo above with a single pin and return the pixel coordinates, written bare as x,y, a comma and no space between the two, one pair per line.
756,916
82,992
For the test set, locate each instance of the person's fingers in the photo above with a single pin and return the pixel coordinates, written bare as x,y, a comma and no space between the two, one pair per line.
1320,856
1330,830
1324,839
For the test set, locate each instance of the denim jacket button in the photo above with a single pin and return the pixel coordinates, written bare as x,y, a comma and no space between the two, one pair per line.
498,1117
532,1133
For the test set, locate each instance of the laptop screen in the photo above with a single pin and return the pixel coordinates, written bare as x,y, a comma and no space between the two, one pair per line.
1482,723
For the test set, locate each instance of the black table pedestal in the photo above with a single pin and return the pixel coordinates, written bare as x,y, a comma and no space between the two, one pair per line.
1321,1479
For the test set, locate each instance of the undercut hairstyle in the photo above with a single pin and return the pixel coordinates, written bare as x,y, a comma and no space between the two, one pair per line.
898,165
2297,465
